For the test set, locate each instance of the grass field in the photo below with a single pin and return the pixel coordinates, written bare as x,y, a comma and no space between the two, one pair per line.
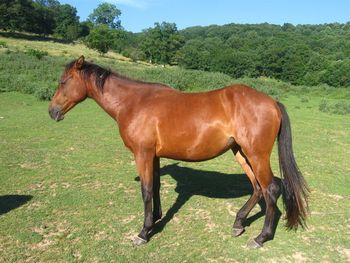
68,193
68,190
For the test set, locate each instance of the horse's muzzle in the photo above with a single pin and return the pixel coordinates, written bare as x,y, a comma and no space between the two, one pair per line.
55,114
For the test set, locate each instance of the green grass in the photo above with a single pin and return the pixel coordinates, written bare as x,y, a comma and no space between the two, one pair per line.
68,191
73,194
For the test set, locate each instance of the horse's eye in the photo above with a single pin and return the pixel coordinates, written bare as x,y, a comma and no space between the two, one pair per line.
62,82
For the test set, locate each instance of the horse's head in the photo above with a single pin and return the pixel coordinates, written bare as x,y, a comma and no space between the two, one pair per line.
71,90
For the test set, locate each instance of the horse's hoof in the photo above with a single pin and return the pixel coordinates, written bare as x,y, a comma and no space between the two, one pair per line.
237,231
138,241
253,244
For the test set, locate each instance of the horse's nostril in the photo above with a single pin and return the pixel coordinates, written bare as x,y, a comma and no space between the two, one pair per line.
55,114
51,113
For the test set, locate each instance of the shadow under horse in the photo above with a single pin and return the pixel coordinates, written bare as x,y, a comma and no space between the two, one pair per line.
211,184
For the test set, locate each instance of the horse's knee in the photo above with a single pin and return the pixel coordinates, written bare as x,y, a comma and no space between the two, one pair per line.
258,192
147,193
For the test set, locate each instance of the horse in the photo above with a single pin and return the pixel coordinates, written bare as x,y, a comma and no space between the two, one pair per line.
156,121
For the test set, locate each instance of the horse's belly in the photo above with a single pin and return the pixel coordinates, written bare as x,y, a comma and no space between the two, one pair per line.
194,149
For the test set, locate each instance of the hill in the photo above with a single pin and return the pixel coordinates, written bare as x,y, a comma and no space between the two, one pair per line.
33,65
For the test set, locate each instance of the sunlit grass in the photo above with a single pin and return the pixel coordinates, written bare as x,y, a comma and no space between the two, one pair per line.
68,190
86,205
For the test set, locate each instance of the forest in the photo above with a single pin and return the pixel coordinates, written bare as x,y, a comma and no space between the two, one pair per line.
298,54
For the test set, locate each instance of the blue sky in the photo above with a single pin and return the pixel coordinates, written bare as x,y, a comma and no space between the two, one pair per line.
142,14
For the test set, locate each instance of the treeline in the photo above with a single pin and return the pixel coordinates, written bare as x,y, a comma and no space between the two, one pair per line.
43,17
301,55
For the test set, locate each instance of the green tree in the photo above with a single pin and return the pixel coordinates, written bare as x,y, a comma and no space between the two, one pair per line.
106,14
190,56
161,43
101,38
44,19
16,15
66,19
337,74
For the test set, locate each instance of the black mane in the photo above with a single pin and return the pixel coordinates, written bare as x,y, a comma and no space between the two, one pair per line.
101,74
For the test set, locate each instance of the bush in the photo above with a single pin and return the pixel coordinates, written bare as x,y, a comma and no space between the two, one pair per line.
323,107
26,74
39,54
304,100
133,53
340,107
3,44
44,92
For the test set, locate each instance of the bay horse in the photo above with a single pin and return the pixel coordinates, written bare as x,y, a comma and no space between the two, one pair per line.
156,121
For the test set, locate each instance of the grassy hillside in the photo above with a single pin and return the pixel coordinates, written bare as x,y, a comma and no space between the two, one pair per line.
23,71
68,191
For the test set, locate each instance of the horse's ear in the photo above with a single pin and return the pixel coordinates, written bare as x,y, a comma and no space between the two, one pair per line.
80,62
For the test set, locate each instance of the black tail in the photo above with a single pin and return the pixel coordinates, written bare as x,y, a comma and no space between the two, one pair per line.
295,190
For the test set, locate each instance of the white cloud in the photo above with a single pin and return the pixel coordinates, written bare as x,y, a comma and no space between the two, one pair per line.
132,3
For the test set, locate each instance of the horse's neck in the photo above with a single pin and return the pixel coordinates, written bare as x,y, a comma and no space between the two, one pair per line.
117,96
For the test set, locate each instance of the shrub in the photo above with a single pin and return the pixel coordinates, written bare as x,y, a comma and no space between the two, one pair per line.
39,54
304,100
44,92
340,107
323,107
32,76
3,44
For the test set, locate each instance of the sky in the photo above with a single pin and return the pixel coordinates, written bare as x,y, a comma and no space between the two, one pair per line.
141,14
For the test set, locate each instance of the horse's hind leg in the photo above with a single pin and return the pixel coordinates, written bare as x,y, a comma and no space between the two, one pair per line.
271,191
238,226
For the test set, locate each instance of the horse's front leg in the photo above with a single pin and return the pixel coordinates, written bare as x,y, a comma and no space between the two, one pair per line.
145,165
157,207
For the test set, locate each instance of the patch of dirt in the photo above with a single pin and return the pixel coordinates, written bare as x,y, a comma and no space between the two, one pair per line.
344,252
210,227
200,213
77,255
299,257
128,219
50,234
126,190
336,197
231,210
128,238
221,259
101,235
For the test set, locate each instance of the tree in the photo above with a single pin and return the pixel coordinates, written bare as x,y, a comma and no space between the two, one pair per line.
66,17
106,14
337,74
44,19
101,38
16,15
161,43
